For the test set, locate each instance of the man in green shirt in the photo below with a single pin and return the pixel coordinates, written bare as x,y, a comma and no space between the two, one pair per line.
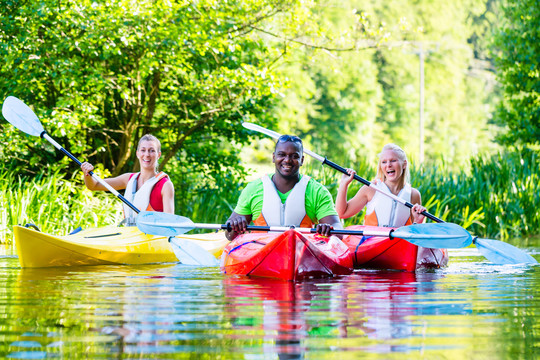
286,197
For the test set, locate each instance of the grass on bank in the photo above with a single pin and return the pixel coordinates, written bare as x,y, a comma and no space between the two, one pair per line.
498,198
55,204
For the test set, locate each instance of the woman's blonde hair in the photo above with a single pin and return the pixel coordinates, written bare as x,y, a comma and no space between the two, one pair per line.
402,157
149,137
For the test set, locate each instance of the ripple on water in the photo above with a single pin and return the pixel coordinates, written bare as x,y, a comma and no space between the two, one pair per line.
175,311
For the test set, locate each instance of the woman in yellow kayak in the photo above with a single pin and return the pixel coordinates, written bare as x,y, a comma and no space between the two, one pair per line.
148,189
393,177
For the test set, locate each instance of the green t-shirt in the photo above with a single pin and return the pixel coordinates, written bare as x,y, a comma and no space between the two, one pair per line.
318,202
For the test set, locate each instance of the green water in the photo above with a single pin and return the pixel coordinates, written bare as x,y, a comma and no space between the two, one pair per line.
471,309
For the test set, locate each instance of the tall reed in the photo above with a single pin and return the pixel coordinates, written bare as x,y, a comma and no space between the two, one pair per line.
498,197
501,193
55,204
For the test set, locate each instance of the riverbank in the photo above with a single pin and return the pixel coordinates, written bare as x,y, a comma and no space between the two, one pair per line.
498,197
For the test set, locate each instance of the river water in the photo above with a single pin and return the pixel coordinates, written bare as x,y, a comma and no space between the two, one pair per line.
469,310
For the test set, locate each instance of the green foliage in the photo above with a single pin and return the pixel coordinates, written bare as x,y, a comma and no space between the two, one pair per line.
102,74
353,102
343,74
498,198
55,204
517,52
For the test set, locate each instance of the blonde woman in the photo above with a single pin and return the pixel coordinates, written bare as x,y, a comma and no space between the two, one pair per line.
148,189
392,176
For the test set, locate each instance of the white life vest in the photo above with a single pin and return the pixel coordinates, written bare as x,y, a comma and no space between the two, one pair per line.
385,210
292,212
140,198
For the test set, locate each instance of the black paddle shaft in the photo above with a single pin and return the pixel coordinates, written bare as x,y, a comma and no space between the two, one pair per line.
228,227
367,183
69,155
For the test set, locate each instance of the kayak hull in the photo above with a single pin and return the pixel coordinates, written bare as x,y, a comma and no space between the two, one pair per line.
100,246
378,252
288,256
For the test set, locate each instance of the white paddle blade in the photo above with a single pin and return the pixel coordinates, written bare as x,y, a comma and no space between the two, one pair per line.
189,253
163,224
276,136
435,235
21,116
260,129
501,253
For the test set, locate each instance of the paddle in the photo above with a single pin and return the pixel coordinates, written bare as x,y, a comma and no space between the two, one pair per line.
163,224
18,114
190,253
496,251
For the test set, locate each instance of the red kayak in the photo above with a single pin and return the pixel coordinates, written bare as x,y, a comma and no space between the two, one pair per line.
289,256
377,252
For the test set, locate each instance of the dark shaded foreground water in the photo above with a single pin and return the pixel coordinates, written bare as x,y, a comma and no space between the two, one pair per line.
471,309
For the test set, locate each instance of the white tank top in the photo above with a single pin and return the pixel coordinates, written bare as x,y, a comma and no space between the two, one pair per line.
140,198
390,213
276,213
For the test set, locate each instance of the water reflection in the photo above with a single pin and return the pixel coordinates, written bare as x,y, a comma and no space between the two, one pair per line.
173,311
110,309
273,309
365,309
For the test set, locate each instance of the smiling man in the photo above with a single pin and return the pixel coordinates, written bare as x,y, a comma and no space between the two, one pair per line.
285,198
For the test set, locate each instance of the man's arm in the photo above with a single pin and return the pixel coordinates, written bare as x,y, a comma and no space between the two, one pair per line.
328,223
238,224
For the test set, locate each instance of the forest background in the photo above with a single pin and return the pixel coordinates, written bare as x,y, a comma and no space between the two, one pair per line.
344,75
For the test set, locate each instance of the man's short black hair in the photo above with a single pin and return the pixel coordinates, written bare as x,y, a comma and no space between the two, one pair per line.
290,138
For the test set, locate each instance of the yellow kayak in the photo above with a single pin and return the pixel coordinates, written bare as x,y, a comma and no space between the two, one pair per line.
106,245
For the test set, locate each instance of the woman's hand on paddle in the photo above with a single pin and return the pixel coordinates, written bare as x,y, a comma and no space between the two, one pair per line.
346,179
86,167
416,213
90,182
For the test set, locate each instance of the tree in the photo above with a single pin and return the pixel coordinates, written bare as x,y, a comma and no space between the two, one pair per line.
350,100
101,74
517,53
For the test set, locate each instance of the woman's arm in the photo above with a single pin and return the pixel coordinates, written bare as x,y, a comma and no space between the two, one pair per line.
341,197
355,205
167,196
417,209
346,209
117,183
